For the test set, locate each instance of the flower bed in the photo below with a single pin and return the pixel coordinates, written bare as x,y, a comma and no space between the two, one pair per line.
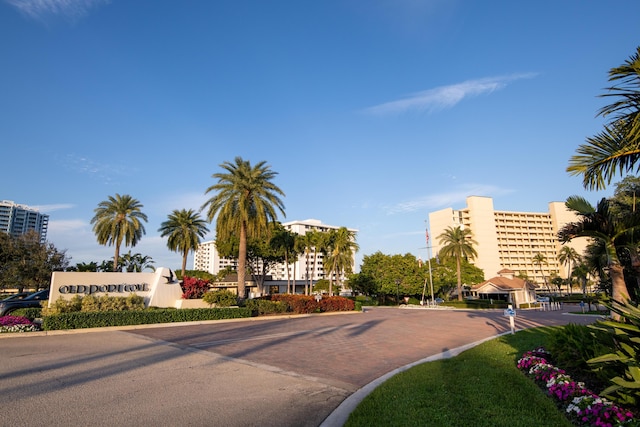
582,406
17,324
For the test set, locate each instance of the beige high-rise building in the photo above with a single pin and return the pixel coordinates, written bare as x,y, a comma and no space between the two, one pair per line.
510,239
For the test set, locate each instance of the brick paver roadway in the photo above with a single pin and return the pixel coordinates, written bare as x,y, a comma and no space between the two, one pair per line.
261,372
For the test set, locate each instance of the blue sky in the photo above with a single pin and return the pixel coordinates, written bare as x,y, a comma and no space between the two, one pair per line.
373,112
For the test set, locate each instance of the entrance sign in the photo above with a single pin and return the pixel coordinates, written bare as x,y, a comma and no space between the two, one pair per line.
159,289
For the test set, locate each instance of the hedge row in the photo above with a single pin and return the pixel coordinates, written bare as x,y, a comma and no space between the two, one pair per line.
303,304
79,320
477,304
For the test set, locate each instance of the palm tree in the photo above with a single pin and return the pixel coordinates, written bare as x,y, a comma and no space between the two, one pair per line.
539,259
185,229
457,243
318,240
599,224
567,256
306,245
284,240
135,263
339,250
117,220
245,202
617,148
581,272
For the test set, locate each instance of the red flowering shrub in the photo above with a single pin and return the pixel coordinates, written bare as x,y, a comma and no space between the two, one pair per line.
298,304
304,304
337,304
194,288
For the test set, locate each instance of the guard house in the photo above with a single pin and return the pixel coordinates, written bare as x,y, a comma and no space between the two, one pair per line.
506,287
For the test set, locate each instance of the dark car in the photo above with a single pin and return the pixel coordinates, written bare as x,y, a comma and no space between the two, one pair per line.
19,295
30,301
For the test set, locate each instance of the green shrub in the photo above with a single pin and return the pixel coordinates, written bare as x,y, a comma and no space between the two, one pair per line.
79,320
624,360
365,300
63,306
573,345
30,313
90,303
261,307
221,298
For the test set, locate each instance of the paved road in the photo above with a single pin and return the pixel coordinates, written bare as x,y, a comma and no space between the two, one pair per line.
270,372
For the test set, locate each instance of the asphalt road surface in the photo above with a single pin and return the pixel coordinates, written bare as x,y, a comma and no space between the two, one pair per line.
284,371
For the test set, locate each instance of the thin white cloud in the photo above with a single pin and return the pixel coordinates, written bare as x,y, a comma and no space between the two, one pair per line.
54,207
447,199
444,97
70,9
107,173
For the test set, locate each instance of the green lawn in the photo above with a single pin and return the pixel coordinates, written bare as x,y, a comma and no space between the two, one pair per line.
480,387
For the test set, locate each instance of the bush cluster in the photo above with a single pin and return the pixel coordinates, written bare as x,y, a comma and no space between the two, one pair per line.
16,324
477,304
95,319
90,303
220,298
304,304
261,307
193,287
581,406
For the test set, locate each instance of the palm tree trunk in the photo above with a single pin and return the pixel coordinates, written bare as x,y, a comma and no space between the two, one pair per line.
619,290
459,273
313,271
242,261
115,258
286,263
294,275
184,262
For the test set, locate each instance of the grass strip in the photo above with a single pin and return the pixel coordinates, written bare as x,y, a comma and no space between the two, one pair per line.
480,387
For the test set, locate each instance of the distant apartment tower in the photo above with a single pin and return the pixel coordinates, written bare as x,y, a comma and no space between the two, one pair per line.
206,258
510,239
309,264
17,219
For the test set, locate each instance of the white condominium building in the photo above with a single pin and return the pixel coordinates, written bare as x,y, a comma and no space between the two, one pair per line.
510,239
309,264
18,219
206,258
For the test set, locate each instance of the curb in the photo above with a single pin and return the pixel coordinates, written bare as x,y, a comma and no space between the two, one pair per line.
340,415
166,325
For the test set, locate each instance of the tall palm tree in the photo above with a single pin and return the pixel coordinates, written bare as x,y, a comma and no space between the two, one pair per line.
305,244
617,148
339,251
599,224
457,243
318,240
284,240
568,256
245,201
185,229
118,220
539,259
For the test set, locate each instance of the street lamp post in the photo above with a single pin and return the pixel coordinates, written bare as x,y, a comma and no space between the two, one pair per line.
398,291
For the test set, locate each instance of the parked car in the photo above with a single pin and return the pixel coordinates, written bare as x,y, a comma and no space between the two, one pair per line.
542,299
439,300
30,301
19,295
